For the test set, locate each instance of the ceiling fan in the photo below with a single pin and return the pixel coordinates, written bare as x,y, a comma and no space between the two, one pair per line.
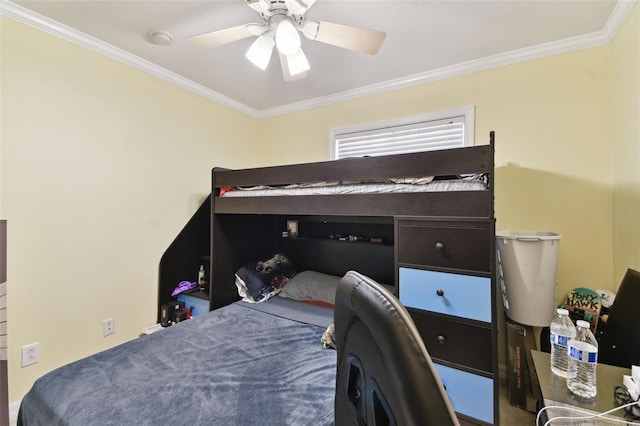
283,20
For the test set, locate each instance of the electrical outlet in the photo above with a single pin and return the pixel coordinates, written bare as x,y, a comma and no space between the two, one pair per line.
108,326
30,354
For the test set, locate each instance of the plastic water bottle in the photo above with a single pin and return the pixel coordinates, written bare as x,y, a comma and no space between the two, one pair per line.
561,330
583,359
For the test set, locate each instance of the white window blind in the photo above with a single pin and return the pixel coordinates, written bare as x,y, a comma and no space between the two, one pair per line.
410,135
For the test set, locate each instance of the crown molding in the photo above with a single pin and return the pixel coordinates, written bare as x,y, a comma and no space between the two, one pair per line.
599,38
618,15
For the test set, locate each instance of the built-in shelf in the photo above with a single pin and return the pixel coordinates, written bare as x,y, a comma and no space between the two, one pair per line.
341,241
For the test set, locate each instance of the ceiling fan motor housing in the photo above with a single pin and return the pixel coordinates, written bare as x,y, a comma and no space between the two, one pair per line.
294,9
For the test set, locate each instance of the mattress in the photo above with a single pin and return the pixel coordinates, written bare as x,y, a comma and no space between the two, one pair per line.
473,183
243,364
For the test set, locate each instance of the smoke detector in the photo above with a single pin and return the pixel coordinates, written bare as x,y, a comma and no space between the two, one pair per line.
160,37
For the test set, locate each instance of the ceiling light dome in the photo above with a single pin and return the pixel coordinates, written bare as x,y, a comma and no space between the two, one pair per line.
287,37
297,63
260,51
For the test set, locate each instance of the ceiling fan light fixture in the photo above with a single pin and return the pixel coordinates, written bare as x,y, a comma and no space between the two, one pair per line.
287,37
283,20
297,63
260,51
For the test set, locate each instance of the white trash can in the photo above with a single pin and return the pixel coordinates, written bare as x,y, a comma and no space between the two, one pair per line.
527,271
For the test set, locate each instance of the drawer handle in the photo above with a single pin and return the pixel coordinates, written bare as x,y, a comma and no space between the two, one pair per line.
439,246
441,339
440,292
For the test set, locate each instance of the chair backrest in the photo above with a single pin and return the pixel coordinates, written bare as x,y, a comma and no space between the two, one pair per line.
620,343
385,375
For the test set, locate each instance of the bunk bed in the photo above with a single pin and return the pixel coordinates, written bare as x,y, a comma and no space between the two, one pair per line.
248,226
432,243
428,246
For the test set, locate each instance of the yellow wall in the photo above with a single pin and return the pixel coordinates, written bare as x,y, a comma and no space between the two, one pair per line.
102,165
625,135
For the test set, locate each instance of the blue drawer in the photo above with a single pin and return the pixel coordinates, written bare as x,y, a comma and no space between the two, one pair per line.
452,294
200,306
470,394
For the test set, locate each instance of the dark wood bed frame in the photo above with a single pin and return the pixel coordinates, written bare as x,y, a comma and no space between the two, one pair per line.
477,159
228,232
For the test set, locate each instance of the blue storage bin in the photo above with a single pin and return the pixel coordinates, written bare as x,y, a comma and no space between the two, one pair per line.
200,306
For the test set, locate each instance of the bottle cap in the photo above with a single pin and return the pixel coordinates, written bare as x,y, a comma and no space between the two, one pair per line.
562,311
583,324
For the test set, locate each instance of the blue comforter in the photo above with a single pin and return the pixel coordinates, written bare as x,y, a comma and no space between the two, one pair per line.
237,365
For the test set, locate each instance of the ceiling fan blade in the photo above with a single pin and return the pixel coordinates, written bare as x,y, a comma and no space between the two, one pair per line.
362,40
220,37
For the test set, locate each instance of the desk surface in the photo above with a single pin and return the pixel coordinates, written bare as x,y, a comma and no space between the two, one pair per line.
555,393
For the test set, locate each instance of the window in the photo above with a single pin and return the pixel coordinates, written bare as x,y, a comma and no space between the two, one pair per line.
442,130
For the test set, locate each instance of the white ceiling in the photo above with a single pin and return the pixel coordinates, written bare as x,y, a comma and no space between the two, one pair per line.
426,40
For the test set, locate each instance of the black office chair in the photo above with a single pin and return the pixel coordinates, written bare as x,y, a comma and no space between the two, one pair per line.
385,375
620,343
